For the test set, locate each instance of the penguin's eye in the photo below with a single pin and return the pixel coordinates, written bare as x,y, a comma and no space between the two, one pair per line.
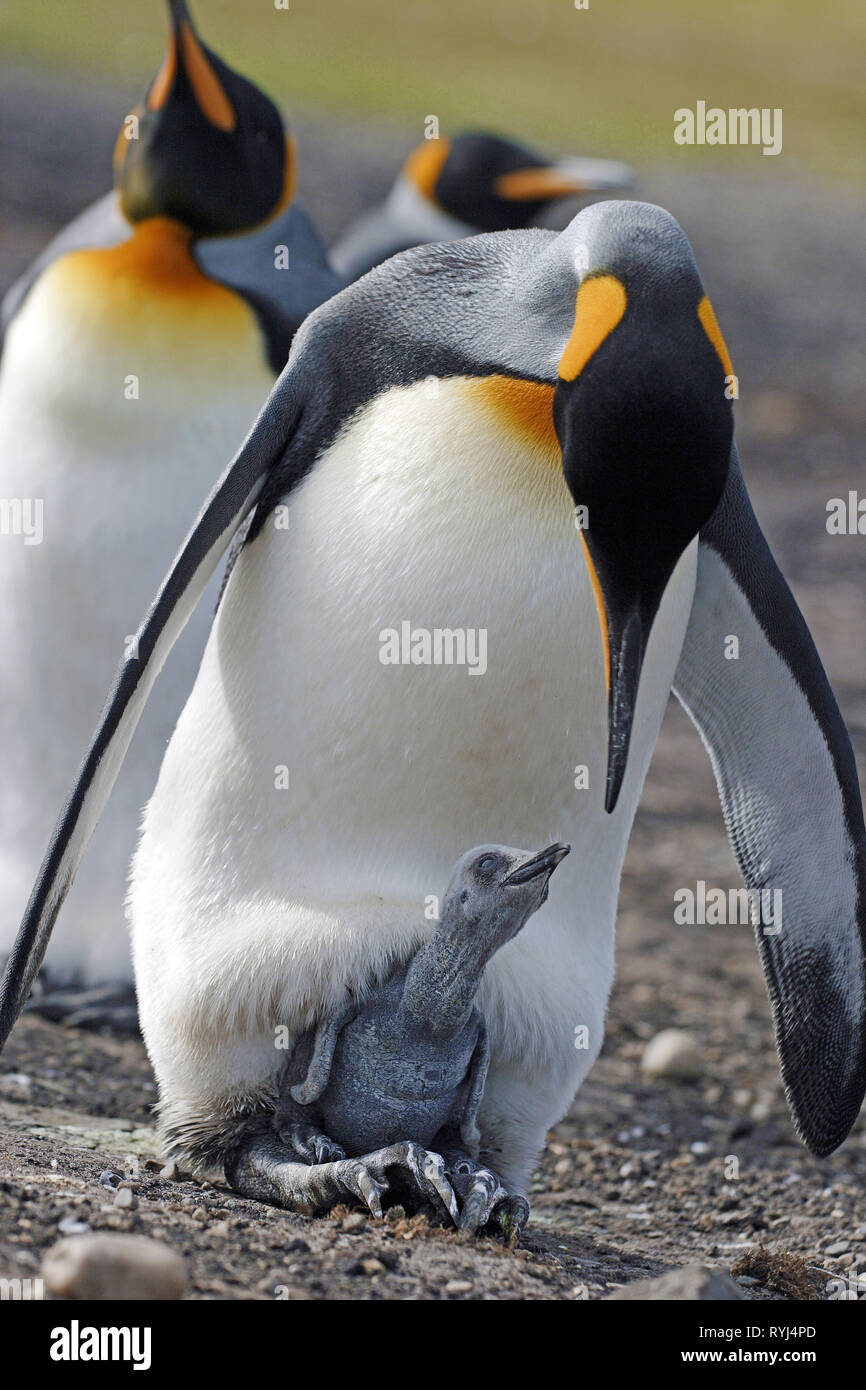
464,896
487,863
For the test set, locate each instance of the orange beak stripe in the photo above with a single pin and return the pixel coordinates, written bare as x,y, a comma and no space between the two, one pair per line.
533,185
162,83
212,100
600,608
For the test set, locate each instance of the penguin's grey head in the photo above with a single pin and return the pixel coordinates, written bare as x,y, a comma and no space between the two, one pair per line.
642,409
494,891
494,184
210,150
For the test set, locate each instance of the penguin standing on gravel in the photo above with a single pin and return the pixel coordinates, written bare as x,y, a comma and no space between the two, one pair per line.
138,348
477,182
519,447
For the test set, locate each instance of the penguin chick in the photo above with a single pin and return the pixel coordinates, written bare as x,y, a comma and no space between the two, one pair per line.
401,1076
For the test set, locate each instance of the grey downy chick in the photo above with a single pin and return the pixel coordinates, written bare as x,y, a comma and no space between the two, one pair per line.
404,1071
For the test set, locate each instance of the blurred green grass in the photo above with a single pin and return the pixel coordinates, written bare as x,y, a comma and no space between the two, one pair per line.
606,80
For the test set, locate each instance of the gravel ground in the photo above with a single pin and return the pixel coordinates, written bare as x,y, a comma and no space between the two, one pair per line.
634,1180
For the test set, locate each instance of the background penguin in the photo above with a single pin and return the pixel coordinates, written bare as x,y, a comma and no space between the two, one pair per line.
435,428
477,182
138,348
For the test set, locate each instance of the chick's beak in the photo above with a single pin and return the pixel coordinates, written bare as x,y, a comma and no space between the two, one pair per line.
542,863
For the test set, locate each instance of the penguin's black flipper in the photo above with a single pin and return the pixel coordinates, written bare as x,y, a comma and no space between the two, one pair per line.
225,509
789,790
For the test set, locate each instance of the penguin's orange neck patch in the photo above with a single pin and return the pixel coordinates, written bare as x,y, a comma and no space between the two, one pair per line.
710,325
157,257
148,285
526,407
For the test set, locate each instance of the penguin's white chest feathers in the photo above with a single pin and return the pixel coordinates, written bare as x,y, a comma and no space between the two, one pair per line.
119,402
317,791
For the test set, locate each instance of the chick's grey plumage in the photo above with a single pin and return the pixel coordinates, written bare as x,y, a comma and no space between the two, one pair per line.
404,1071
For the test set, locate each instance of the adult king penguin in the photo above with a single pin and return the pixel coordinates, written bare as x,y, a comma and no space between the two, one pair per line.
477,182
427,444
139,347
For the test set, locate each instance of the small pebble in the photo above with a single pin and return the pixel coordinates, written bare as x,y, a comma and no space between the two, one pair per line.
126,1199
672,1052
839,1247
372,1267
16,1085
354,1222
72,1226
457,1286
108,1178
99,1266
172,1173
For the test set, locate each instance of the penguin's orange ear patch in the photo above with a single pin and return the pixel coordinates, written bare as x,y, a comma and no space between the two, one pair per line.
710,325
424,164
212,100
601,303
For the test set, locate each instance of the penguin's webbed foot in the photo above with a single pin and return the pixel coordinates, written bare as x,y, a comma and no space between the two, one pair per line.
263,1168
309,1144
484,1200
410,1171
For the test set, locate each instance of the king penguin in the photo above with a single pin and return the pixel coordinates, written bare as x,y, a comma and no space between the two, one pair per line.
138,348
525,435
454,188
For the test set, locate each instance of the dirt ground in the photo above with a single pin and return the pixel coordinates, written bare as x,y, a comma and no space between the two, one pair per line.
635,1179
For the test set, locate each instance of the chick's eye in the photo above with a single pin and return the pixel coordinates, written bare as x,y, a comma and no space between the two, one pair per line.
487,863
464,896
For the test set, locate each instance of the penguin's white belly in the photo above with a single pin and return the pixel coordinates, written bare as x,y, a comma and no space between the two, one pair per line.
110,422
254,903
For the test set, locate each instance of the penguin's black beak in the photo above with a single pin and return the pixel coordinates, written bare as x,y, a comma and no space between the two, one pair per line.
626,645
542,863
646,431
567,177
187,52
